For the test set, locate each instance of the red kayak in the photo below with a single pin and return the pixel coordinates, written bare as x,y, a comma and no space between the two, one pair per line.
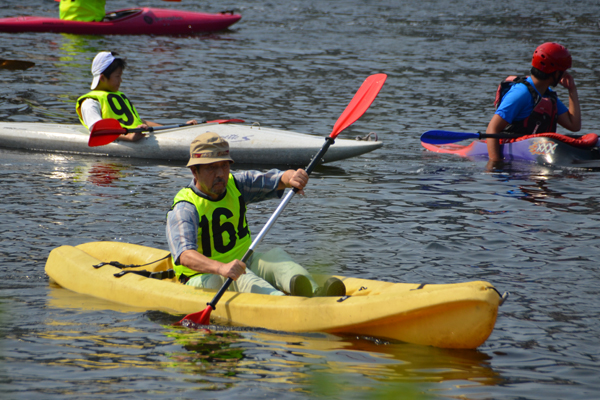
132,21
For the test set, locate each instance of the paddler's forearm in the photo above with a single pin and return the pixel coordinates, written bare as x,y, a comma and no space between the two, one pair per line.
571,119
574,110
496,125
285,178
198,262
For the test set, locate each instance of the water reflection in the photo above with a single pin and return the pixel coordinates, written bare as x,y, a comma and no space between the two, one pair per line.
238,354
551,189
303,359
69,50
100,173
293,358
538,192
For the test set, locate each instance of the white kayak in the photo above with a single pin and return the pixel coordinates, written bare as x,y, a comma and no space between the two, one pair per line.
249,144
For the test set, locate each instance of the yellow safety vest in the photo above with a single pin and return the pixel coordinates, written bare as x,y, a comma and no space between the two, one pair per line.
223,233
114,105
82,10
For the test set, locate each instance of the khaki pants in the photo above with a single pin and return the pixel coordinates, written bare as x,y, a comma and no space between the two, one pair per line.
266,273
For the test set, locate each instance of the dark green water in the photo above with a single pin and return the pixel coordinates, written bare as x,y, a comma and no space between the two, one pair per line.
398,214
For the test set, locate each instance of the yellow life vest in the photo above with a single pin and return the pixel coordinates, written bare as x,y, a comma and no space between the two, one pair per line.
223,233
82,10
114,105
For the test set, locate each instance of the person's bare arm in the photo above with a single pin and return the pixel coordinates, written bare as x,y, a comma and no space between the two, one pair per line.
572,118
198,262
496,125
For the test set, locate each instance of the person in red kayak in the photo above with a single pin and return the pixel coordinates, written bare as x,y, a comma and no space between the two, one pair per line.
105,100
208,234
82,10
527,105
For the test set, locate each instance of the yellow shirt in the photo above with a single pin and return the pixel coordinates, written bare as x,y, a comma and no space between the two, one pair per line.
82,10
114,105
223,232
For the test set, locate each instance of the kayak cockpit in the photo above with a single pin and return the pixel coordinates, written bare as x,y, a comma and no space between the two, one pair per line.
121,14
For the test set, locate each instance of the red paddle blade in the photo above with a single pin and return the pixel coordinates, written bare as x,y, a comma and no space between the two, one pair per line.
105,131
200,317
359,103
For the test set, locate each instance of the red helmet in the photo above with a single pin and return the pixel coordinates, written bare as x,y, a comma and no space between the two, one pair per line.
550,57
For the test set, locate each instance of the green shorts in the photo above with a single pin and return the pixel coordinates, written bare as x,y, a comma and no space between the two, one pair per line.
266,273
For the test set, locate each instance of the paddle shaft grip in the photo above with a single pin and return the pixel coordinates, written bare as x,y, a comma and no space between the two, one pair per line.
313,163
158,128
506,136
437,137
229,281
263,232
498,136
153,128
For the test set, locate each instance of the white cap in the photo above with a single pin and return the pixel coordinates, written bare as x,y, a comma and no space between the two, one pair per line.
99,65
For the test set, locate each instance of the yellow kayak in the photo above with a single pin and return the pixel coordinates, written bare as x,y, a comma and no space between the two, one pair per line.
460,315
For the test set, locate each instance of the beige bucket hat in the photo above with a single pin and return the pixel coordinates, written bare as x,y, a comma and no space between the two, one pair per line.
208,148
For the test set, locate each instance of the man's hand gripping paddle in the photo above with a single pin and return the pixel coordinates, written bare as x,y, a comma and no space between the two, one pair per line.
357,107
108,130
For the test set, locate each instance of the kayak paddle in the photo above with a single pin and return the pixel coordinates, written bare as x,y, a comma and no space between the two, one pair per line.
357,107
163,0
444,137
15,65
108,130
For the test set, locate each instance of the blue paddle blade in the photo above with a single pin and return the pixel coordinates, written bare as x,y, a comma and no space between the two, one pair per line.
443,137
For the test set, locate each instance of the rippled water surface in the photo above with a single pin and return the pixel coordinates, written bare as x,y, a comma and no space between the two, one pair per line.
398,214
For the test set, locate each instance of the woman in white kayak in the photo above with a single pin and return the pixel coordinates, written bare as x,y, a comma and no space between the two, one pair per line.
105,100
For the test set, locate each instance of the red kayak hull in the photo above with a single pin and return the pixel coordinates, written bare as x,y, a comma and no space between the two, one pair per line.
135,21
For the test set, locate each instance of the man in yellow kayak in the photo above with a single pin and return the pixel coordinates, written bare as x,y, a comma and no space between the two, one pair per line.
208,233
82,10
105,100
